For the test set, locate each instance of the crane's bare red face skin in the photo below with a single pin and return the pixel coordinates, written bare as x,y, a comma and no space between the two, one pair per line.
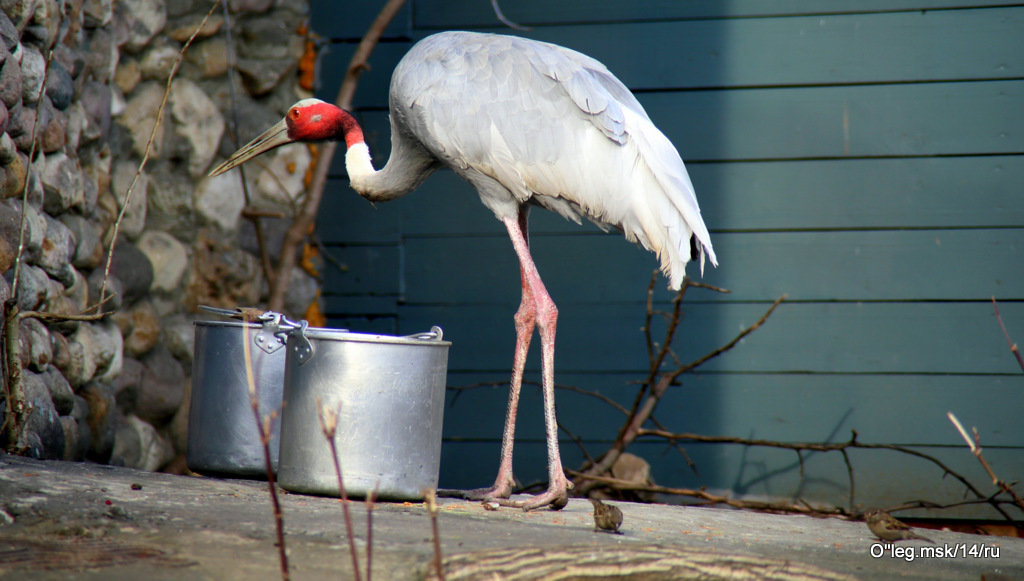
309,120
321,122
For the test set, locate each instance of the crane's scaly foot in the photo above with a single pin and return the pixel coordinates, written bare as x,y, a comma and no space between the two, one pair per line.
555,498
501,490
495,493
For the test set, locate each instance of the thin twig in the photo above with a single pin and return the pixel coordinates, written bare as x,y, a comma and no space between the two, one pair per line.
576,440
264,424
46,316
975,446
702,360
17,408
300,227
431,501
657,384
149,147
849,475
24,191
370,501
257,223
329,426
658,358
648,315
504,20
963,433
1013,346
824,447
802,508
799,506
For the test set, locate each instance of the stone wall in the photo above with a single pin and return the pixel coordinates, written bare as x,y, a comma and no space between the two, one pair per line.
115,390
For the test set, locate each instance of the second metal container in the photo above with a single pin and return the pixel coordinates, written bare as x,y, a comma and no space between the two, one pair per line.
223,437
388,393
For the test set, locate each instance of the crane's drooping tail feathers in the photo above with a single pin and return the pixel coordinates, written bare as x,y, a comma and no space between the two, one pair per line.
668,221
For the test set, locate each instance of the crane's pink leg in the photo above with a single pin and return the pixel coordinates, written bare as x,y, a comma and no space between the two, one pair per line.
536,309
525,319
544,315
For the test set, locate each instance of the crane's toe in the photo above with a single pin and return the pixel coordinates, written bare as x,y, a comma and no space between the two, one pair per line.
495,493
553,499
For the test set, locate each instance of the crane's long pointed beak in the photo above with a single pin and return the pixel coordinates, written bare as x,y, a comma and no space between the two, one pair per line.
276,136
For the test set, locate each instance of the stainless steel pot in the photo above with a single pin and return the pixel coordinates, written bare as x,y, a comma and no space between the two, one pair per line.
223,438
389,395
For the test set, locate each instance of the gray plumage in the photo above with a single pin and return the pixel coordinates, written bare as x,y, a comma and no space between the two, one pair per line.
526,121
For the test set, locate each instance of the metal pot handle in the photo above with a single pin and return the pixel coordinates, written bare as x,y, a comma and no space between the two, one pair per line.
303,347
275,327
434,334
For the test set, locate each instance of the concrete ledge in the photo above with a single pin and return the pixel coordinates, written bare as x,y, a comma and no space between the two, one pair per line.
66,520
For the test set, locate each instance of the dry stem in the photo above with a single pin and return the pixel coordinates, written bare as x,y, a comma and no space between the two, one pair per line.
799,448
370,501
17,409
16,413
149,148
1013,346
264,425
431,502
329,426
257,223
504,20
799,506
657,383
24,191
975,447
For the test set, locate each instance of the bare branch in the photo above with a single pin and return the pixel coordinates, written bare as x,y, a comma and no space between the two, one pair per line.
149,147
17,409
24,190
786,507
963,433
329,426
504,20
975,447
656,384
1013,346
264,425
732,343
84,316
576,440
371,500
256,220
431,502
828,447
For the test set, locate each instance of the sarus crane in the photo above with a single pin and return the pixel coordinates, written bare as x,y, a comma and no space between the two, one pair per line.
526,123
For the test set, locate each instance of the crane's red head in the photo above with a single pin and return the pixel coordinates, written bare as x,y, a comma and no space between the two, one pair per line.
307,120
315,120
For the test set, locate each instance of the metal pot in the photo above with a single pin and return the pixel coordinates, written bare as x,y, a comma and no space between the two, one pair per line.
389,395
223,437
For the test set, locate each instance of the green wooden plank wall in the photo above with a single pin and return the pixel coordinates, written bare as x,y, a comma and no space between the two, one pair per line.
866,158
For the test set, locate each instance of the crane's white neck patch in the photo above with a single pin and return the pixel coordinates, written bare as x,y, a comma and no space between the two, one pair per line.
358,163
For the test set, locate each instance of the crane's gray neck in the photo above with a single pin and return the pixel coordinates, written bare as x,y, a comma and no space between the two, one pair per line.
405,170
